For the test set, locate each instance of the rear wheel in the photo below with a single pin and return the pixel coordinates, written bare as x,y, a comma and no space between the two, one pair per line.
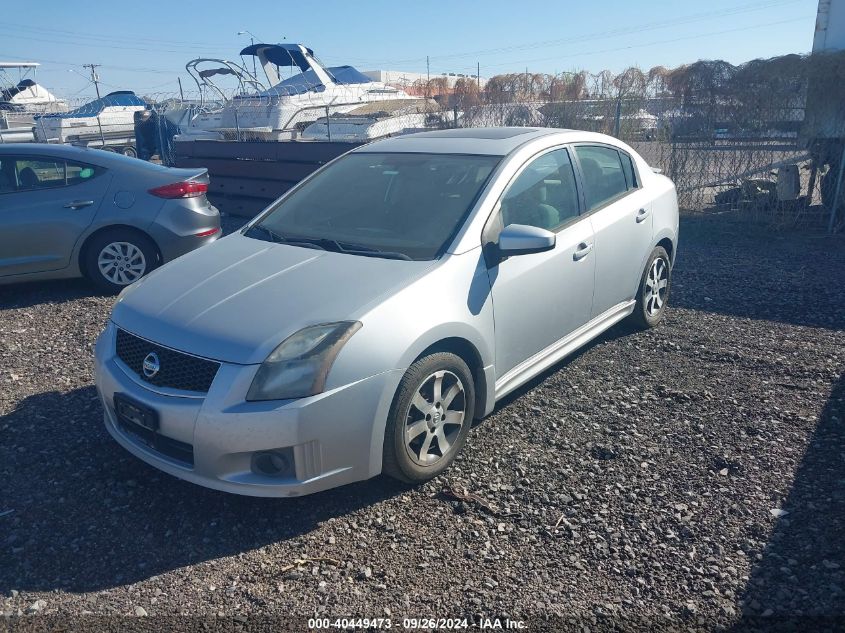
117,258
129,151
653,295
430,418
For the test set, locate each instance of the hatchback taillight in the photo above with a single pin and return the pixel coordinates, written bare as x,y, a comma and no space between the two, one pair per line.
187,189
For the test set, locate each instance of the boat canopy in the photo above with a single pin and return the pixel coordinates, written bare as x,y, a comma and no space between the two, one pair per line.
95,107
280,54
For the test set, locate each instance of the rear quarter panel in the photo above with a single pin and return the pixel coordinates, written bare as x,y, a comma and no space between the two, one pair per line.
665,212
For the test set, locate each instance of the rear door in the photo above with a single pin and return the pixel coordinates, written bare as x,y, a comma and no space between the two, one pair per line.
620,213
45,205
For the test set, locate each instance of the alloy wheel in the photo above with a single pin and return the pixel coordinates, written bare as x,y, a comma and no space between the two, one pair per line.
657,283
434,418
122,263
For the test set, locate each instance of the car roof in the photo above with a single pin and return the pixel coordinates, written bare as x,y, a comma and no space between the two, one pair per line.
492,141
52,149
88,155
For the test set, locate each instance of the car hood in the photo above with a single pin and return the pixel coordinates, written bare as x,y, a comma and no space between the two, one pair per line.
235,300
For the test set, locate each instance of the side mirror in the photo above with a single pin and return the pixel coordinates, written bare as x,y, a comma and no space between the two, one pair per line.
521,239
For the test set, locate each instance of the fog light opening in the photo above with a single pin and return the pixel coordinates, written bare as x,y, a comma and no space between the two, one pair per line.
270,464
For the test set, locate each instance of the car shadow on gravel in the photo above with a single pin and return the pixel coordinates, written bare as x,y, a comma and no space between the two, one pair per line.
620,330
801,571
729,266
26,295
88,516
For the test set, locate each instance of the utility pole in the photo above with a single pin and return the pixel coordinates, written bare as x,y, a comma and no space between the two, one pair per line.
478,74
427,81
96,80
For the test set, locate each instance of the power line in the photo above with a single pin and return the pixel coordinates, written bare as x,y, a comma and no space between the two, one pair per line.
100,37
648,26
654,43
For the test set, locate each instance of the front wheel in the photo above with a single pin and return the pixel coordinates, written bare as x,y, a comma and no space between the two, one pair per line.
430,418
653,295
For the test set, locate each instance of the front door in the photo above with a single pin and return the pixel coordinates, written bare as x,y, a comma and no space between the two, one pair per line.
540,298
45,205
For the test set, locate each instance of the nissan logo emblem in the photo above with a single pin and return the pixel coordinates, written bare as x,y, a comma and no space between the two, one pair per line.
151,365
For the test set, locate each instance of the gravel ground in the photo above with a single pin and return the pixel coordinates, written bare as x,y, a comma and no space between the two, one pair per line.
693,472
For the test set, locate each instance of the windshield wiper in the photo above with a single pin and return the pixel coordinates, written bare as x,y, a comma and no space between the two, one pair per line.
268,233
328,244
278,238
369,251
374,252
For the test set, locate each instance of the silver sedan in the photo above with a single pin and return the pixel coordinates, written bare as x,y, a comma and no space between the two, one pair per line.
69,211
363,321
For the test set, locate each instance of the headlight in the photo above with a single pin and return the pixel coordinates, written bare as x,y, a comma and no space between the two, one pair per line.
298,367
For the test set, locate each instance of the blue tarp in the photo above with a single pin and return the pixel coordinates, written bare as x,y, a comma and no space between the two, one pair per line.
95,107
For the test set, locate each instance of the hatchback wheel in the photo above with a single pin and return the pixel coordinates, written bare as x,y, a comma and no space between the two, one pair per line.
430,418
655,285
118,258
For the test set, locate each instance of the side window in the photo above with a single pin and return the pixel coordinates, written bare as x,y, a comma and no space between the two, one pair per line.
630,172
604,177
24,173
39,173
544,194
80,172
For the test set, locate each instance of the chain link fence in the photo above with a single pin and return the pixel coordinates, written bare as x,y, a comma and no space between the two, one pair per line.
765,137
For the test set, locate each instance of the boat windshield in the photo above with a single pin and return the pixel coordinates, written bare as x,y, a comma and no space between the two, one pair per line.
402,206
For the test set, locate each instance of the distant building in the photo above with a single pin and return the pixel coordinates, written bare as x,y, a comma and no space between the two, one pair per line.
414,83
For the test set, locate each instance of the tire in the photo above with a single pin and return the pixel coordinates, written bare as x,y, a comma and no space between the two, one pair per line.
129,151
410,461
112,245
651,307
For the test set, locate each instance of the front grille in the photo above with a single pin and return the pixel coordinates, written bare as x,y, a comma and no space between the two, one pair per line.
180,451
177,370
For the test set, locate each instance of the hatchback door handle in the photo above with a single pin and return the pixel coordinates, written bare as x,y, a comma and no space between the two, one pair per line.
78,204
642,214
582,251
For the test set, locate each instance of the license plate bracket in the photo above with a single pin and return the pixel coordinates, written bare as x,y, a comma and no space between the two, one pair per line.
133,412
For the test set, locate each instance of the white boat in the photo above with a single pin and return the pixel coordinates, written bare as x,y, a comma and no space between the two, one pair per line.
281,111
21,99
371,121
105,122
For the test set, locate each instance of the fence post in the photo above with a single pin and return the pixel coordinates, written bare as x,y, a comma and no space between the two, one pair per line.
838,191
618,117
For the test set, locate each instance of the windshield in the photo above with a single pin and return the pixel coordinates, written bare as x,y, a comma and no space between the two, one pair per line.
405,206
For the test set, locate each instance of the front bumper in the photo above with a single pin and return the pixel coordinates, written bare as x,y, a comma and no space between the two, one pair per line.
211,439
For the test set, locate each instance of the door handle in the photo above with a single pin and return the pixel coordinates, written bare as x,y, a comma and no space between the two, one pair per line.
78,204
582,251
642,214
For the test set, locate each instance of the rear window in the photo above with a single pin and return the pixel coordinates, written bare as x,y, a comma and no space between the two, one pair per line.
630,172
33,173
